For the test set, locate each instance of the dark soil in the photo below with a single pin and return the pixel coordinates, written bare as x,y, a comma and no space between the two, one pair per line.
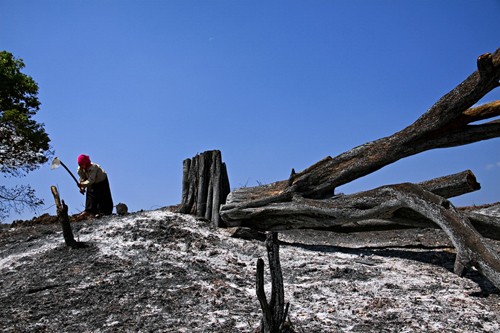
164,272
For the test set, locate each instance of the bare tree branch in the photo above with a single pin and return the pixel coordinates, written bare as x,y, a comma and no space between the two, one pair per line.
447,123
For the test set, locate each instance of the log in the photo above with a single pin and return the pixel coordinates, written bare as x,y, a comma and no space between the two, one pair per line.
446,186
450,122
384,203
62,216
456,184
488,226
205,186
452,185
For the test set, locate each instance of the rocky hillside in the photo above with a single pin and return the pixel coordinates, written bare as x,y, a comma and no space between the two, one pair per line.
158,271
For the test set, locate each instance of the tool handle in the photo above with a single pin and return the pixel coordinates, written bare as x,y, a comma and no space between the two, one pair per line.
71,173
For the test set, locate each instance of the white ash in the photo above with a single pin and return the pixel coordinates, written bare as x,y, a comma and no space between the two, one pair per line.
159,271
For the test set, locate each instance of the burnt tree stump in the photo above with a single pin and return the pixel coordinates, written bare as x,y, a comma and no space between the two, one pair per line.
205,186
63,218
274,312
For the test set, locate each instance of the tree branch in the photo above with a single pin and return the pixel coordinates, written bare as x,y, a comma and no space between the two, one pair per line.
446,124
383,203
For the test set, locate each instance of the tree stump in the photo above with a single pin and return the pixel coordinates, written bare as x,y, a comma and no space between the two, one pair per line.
205,186
274,312
62,216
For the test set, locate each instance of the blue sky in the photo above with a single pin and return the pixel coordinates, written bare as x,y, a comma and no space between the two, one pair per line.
142,85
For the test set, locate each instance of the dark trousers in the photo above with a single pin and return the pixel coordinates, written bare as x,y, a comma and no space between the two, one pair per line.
99,200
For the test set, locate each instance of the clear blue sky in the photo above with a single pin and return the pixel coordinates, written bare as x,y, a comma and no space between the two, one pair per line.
142,85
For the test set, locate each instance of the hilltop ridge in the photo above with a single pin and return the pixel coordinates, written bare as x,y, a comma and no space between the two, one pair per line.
167,272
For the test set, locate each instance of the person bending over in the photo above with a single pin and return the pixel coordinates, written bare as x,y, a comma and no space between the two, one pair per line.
94,180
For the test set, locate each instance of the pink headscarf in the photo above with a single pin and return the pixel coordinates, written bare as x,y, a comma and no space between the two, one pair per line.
83,161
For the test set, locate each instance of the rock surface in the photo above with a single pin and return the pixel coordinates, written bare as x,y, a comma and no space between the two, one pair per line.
158,271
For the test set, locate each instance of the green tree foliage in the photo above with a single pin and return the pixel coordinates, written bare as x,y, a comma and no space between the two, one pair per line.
24,144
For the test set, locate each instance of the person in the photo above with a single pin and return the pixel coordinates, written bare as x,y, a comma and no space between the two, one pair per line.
94,180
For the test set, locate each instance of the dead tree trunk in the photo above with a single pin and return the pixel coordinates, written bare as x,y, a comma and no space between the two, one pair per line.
392,202
205,186
452,121
447,187
448,123
274,311
62,216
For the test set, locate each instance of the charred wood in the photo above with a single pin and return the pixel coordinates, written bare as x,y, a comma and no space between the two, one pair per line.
487,225
62,216
275,311
452,185
450,122
307,200
383,203
205,186
446,186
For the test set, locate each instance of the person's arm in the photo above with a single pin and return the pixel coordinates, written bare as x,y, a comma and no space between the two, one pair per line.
81,174
88,178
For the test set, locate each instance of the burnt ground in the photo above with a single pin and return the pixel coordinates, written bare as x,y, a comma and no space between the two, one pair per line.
164,272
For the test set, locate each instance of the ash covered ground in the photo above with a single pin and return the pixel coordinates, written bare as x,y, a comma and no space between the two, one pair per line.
159,271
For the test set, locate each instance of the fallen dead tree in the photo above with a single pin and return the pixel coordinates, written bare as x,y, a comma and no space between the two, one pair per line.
448,123
446,187
306,199
391,202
